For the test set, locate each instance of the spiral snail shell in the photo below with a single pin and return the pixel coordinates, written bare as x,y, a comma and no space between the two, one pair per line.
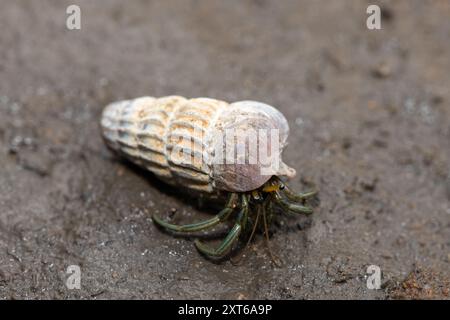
148,130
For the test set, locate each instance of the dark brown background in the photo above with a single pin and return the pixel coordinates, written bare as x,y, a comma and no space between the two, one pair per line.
370,125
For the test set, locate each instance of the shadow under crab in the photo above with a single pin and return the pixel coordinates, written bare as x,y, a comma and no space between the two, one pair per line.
249,211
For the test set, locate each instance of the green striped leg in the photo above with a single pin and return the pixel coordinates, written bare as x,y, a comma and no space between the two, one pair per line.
198,226
230,239
289,206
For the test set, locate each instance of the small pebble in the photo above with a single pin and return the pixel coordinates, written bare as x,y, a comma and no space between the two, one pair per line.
382,71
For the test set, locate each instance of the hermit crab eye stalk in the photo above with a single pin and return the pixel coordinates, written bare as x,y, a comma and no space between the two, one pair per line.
211,147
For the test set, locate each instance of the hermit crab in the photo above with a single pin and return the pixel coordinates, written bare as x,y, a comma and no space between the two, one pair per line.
230,151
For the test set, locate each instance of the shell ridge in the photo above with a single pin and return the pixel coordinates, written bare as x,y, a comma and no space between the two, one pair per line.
167,132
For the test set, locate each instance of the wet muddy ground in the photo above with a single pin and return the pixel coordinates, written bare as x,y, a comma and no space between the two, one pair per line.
369,112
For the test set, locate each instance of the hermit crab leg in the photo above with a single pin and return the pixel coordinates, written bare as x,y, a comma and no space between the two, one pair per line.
244,205
229,240
274,258
193,227
269,211
293,196
298,196
287,205
255,225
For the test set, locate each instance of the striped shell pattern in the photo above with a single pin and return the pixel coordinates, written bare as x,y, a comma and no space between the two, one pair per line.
146,130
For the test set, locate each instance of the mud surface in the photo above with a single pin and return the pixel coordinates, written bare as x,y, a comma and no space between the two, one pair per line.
370,126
